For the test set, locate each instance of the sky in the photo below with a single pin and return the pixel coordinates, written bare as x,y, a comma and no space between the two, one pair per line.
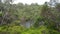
31,1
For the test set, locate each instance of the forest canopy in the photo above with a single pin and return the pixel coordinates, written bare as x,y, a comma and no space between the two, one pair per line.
29,19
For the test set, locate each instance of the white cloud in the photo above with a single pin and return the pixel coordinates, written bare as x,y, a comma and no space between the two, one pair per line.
31,1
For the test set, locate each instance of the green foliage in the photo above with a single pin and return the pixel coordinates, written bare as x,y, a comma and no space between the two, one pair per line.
22,30
15,14
0,13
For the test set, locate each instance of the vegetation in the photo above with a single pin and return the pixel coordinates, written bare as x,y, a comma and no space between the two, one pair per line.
44,19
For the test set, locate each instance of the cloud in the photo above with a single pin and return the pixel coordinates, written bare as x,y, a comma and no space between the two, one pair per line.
31,1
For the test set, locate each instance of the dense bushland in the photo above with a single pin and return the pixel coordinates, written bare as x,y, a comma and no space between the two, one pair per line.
45,19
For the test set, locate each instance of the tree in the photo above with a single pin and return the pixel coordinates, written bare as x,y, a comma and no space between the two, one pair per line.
6,9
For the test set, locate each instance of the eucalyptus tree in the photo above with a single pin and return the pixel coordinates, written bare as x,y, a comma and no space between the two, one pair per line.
6,11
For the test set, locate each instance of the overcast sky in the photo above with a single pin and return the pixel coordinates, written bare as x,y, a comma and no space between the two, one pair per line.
31,1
